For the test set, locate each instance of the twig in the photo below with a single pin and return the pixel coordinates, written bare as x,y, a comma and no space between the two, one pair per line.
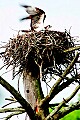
6,72
63,103
4,110
56,104
19,98
12,114
11,99
72,49
50,96
19,82
9,104
60,114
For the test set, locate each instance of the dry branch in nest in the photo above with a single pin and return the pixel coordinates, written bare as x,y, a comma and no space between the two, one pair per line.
33,49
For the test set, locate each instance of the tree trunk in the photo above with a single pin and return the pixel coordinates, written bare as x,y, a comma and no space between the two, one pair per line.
32,89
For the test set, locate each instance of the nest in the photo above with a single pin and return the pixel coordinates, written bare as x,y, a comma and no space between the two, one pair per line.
33,49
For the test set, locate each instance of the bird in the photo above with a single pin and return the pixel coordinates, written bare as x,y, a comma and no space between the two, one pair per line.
36,15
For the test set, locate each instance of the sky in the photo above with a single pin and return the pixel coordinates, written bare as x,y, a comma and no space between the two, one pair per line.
60,14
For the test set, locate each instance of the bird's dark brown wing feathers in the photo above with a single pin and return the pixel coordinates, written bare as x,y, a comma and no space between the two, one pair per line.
33,10
30,10
25,18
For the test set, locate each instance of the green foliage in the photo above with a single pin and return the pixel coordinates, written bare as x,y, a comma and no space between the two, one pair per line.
75,115
50,110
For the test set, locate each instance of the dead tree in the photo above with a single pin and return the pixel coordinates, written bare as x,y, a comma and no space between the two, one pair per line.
38,55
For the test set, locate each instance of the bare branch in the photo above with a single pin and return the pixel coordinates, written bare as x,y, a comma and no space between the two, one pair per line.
19,98
60,114
9,104
51,115
12,114
12,99
72,49
48,98
4,110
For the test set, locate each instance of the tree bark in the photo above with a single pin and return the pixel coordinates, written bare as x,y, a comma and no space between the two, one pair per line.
32,89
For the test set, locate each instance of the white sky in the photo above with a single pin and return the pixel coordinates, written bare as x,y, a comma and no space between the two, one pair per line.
61,14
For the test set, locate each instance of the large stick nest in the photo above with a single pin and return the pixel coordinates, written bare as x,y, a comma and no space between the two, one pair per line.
32,49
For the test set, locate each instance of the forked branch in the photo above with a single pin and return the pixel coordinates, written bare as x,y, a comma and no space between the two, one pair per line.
25,105
49,97
56,110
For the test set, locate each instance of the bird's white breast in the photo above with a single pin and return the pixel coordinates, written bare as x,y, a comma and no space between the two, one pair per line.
39,24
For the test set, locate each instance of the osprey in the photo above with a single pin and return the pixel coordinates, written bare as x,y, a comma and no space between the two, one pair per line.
36,15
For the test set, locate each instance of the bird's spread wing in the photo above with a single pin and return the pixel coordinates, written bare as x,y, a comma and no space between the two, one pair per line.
25,18
30,10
